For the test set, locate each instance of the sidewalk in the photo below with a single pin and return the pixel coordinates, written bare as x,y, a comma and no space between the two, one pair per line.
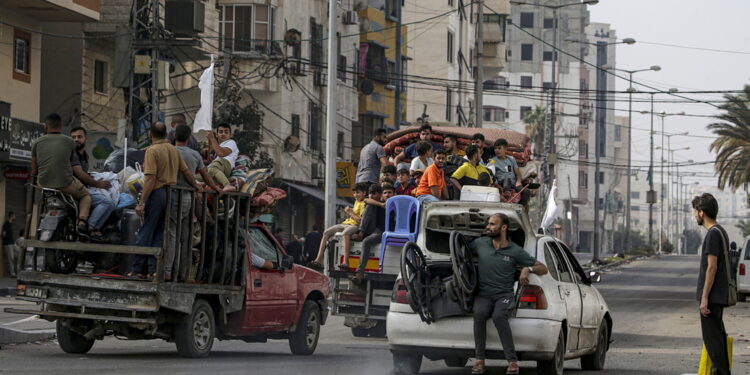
19,329
7,287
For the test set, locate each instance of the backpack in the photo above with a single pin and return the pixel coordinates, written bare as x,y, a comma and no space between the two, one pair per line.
732,283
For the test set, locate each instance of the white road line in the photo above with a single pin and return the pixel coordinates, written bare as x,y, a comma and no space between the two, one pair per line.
33,317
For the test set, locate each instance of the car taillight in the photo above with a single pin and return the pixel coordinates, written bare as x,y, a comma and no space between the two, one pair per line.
400,294
532,297
742,269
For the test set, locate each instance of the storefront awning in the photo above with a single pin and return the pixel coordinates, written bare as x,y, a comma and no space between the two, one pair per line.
313,192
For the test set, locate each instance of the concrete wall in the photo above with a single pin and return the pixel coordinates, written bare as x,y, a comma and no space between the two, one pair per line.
23,96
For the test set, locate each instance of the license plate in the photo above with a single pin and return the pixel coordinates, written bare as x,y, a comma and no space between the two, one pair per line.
36,292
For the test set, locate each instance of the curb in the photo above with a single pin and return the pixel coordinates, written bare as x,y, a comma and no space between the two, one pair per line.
17,336
8,292
617,263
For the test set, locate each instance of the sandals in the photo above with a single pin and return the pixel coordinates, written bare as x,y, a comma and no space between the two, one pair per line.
478,368
343,267
512,369
83,226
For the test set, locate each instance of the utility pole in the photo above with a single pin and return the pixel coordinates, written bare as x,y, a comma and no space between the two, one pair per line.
551,131
601,114
331,113
661,181
651,196
478,86
630,171
146,27
399,71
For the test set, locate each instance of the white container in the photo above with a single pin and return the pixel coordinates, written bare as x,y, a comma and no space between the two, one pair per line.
473,193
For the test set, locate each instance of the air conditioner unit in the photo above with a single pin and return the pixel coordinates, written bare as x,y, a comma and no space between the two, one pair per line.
320,78
351,17
317,171
185,18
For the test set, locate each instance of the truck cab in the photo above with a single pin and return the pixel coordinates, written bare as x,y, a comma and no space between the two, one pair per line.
223,297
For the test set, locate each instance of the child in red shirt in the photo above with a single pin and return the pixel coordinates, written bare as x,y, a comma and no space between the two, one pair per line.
404,185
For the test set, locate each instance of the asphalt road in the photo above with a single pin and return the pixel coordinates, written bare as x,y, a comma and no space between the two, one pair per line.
655,324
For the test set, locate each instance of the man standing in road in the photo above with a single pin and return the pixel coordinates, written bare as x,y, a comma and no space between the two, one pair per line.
713,283
499,258
371,159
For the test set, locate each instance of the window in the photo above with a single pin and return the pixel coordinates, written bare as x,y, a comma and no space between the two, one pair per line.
583,119
450,46
340,144
341,67
618,133
363,129
497,83
551,262
450,3
635,195
549,23
403,73
100,76
524,111
635,208
548,55
247,27
391,68
583,179
295,125
448,104
492,113
497,19
601,203
527,52
583,149
261,245
296,66
526,82
546,86
391,9
527,19
575,267
601,177
314,126
377,65
561,268
316,43
21,56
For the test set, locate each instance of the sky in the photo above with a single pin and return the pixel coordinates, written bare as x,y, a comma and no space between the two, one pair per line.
721,25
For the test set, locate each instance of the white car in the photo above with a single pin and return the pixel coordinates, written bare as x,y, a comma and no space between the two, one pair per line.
743,272
558,316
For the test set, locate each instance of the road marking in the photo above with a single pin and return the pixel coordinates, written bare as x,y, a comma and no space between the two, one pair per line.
649,299
33,317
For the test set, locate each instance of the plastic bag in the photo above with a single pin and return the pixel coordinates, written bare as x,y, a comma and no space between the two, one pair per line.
126,200
115,161
134,183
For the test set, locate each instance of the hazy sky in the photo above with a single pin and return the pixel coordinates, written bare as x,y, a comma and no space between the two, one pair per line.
722,25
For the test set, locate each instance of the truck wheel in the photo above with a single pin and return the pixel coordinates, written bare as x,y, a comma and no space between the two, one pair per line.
557,363
60,261
304,339
72,342
456,362
406,363
595,360
195,338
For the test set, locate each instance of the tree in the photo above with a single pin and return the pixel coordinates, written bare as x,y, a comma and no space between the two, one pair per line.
744,226
732,146
535,120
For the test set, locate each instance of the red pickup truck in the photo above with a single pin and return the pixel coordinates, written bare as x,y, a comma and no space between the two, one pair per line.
225,297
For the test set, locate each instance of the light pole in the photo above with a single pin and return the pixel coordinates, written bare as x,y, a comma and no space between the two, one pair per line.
631,90
666,209
550,132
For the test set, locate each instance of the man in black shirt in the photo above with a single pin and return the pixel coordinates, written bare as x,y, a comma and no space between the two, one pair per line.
713,285
9,243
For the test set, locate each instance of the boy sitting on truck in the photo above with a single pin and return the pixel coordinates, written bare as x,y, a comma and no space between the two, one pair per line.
373,225
348,227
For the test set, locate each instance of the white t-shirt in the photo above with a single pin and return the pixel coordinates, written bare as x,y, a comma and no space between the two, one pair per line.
232,145
416,163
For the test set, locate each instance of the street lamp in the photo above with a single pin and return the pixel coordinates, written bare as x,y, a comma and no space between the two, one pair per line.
550,133
654,68
668,197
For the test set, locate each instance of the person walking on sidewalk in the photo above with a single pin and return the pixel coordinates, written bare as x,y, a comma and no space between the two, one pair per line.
9,243
713,283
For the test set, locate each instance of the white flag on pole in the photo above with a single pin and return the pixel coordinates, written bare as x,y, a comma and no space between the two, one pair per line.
203,118
550,214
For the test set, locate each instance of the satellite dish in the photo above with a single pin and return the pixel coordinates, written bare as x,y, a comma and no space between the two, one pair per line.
366,87
292,37
291,143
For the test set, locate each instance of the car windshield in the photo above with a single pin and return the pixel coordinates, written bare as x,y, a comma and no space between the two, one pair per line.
439,225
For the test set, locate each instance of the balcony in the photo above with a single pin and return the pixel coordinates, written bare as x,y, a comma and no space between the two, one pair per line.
493,58
56,10
499,6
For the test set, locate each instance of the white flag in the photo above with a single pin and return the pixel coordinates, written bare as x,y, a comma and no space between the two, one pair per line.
203,118
552,209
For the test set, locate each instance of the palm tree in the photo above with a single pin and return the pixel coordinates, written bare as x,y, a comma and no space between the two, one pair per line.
732,146
744,227
535,121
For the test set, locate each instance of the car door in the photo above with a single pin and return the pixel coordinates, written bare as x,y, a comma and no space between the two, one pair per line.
271,295
743,269
591,308
569,293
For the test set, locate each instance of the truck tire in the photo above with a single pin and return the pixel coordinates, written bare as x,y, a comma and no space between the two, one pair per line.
72,342
304,339
195,338
555,365
595,360
406,363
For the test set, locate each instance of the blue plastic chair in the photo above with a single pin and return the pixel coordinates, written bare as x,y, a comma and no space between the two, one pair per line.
401,223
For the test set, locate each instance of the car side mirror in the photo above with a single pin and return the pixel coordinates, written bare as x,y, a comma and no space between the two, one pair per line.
595,277
287,261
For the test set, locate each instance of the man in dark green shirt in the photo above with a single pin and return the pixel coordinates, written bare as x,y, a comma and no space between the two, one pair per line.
499,259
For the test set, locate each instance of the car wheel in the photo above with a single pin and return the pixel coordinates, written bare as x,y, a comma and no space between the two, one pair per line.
406,363
70,341
557,363
595,360
304,339
456,362
195,338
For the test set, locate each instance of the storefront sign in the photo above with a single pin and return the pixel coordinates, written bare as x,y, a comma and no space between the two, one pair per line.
345,177
17,174
16,137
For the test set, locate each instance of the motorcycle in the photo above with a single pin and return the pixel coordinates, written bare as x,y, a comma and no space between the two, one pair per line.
58,223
